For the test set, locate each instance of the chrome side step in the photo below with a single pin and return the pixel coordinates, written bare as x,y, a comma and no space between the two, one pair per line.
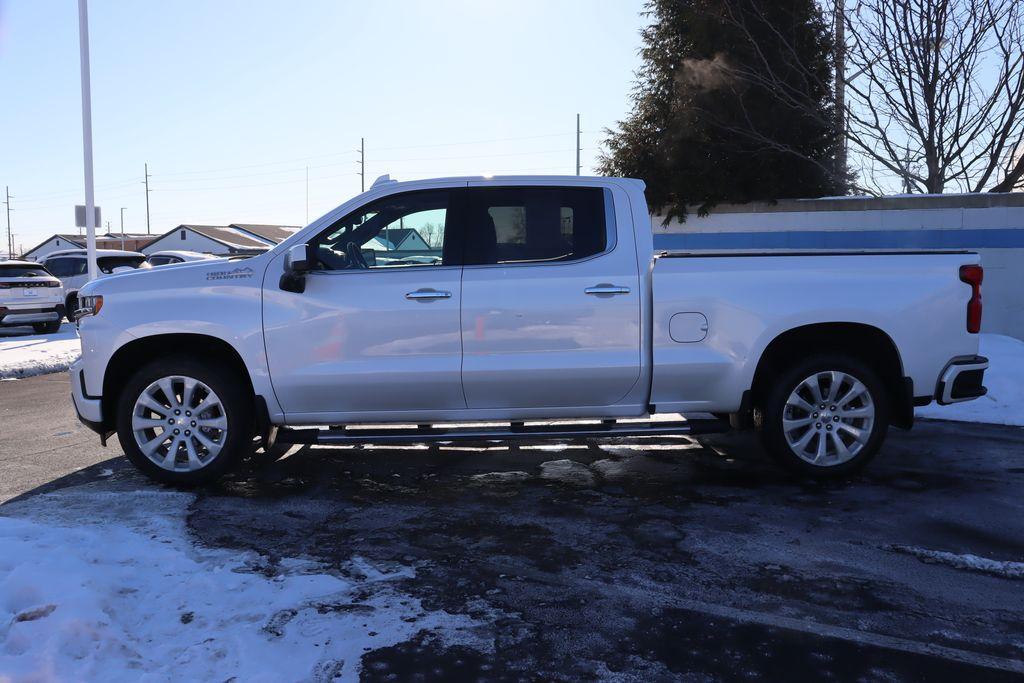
513,431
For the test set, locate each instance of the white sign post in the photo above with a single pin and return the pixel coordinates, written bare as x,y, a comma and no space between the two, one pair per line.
90,201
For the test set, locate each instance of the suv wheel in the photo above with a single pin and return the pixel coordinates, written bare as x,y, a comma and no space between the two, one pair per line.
826,416
184,422
70,306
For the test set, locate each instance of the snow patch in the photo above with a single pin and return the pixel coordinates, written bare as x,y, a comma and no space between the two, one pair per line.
108,586
1004,403
39,354
1003,568
499,478
567,472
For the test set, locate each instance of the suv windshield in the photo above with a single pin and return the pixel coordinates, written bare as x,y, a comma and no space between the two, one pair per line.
19,270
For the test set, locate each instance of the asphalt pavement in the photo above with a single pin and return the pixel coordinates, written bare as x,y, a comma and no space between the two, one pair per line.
627,559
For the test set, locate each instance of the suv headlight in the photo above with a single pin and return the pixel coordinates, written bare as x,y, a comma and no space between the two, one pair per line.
88,305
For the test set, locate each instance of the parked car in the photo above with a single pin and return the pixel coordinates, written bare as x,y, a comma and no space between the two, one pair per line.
29,295
168,257
71,266
543,300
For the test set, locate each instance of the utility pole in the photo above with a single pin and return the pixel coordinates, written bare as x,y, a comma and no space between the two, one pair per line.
90,199
363,164
578,148
122,226
146,181
10,236
307,195
840,57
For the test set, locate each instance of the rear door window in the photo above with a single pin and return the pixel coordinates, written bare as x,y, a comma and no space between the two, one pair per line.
66,266
534,224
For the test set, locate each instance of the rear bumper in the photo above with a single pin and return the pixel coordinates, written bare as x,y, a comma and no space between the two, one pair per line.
27,316
962,380
89,408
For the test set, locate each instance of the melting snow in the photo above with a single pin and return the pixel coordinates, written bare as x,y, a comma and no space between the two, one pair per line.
108,586
1006,569
38,354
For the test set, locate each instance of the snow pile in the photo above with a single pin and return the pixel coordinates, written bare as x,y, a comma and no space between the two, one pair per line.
1004,403
38,354
1003,568
108,586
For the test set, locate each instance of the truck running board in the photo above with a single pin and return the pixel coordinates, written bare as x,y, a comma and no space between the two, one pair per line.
489,432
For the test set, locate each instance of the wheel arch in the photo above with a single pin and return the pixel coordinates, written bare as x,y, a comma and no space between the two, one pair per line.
129,357
865,342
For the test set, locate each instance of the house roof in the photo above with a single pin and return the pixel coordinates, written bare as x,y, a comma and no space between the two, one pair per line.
226,235
74,239
398,235
274,233
128,236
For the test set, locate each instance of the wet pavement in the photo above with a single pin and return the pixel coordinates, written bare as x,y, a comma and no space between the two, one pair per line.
655,558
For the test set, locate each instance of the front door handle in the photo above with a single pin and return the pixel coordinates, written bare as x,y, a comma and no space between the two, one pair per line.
606,289
427,294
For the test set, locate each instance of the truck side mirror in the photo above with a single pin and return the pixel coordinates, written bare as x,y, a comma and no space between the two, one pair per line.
298,261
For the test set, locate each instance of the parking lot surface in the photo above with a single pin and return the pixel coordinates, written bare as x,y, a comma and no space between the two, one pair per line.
627,559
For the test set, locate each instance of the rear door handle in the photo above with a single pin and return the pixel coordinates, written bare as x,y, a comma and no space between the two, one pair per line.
606,289
426,294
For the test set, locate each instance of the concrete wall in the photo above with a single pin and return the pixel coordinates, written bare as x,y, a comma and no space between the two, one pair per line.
992,224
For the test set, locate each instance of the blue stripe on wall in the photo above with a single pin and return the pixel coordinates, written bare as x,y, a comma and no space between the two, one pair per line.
994,238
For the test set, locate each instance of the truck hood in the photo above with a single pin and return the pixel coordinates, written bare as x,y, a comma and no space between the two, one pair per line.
188,274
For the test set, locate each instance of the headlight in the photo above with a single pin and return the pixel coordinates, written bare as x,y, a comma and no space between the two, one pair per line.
88,305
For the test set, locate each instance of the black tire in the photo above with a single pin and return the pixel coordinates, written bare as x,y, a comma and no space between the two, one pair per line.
769,416
70,306
46,328
236,403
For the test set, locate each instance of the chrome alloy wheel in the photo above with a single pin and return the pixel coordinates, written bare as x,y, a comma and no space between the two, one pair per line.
828,418
179,423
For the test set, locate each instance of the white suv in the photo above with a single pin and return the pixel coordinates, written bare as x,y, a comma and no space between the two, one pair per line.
30,296
71,266
169,257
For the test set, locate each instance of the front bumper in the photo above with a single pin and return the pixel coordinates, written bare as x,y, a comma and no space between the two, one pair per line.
89,408
962,380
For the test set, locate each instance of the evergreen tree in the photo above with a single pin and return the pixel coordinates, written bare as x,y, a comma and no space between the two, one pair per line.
733,102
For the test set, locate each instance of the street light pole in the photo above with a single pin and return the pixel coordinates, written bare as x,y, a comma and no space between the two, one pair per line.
90,199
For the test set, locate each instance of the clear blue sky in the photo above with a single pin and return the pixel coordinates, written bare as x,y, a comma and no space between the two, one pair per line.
229,102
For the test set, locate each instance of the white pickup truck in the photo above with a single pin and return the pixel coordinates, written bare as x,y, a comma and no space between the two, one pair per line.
524,307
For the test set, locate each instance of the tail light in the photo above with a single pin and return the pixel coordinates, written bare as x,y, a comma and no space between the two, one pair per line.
53,283
973,275
5,285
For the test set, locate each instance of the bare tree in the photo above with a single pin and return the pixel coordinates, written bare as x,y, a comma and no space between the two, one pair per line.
935,94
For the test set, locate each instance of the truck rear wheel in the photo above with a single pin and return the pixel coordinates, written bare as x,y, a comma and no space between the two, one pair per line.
184,422
826,416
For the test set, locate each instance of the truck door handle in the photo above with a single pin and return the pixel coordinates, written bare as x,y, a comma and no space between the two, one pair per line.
606,289
422,294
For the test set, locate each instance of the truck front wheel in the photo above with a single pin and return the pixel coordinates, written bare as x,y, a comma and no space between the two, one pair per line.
184,422
826,416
